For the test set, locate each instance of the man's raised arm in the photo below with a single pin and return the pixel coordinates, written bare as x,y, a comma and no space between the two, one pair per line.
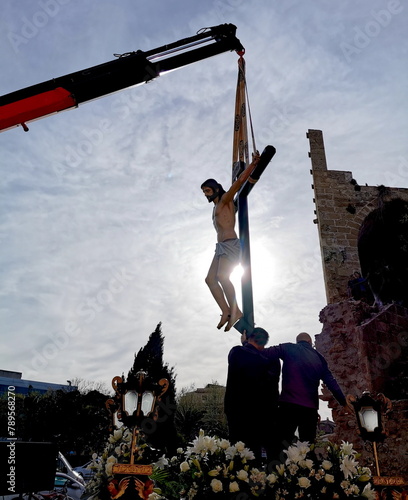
243,177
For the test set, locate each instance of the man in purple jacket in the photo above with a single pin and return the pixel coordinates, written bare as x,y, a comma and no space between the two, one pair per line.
303,369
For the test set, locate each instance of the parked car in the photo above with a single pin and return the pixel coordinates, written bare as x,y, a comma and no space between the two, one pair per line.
69,485
65,467
87,470
66,481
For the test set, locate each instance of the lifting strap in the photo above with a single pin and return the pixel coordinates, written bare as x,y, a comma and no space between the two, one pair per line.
240,151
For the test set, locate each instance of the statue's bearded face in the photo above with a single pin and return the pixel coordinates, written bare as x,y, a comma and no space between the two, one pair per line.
209,193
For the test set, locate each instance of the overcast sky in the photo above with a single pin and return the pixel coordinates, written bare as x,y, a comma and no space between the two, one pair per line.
104,229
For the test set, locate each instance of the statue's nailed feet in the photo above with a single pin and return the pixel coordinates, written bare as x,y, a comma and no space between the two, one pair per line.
225,317
236,315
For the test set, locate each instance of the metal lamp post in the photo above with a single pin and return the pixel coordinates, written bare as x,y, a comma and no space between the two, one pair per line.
368,412
135,402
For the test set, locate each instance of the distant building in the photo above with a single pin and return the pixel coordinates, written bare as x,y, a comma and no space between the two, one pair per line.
326,426
210,392
10,379
209,400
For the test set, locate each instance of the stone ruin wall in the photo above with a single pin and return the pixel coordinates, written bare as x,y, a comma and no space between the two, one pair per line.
366,349
341,207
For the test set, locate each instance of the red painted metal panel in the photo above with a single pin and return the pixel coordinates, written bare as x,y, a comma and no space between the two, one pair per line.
34,107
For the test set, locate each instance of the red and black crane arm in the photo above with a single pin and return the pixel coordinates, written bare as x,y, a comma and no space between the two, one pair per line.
129,69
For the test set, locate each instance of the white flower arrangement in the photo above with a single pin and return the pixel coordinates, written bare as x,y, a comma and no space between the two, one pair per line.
215,468
337,476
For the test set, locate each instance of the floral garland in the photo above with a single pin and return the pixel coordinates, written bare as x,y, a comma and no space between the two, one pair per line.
214,468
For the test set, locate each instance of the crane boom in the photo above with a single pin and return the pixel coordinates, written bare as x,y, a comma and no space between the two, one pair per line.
132,68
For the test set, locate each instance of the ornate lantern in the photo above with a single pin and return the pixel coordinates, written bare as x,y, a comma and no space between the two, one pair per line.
369,419
135,405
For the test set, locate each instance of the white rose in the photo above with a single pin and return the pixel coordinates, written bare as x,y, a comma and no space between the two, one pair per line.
329,478
272,478
216,485
326,464
242,475
240,446
304,482
184,467
233,487
224,444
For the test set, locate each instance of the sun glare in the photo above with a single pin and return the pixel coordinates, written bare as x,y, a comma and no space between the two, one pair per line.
263,273
236,274
263,268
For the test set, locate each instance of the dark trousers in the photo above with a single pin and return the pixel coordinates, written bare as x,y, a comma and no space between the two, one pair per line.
292,417
242,429
258,433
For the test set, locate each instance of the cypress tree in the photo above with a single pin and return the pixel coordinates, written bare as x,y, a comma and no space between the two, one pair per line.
160,434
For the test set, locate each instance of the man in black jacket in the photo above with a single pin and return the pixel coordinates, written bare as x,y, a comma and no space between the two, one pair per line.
251,394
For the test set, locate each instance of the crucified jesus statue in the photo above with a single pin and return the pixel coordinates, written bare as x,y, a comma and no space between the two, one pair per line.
228,248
